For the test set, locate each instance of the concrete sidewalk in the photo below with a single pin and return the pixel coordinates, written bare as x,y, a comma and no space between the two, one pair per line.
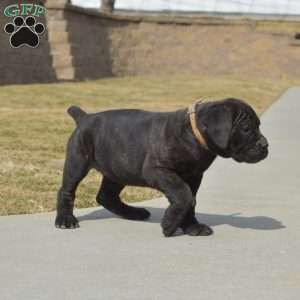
254,253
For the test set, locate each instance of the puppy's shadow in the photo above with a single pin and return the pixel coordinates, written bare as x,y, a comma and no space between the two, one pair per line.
235,220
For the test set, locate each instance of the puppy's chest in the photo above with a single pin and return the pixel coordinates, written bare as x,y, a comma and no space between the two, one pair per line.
191,167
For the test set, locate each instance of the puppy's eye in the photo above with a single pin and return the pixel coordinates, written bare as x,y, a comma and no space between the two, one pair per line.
246,129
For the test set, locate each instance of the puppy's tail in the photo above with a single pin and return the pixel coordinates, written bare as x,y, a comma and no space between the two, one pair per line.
76,113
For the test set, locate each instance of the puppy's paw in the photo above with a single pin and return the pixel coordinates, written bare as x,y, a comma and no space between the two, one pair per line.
66,221
168,227
137,213
198,229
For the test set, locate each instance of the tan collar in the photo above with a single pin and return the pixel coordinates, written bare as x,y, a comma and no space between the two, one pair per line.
192,116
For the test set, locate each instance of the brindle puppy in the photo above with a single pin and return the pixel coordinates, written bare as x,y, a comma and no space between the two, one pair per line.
158,150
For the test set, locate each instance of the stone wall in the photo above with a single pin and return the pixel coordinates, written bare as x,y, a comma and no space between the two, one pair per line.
90,41
149,48
83,44
211,46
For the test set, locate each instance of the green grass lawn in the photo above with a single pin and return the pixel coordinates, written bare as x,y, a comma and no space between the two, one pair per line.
34,128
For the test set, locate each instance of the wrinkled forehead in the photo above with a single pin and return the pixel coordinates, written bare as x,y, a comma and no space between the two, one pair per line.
245,114
252,115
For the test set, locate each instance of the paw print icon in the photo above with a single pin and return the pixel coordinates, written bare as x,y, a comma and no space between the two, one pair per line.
24,32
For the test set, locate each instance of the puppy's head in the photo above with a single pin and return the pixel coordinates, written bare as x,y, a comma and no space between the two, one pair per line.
231,129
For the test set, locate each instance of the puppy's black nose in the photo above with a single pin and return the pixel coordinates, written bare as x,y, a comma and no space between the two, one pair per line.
262,142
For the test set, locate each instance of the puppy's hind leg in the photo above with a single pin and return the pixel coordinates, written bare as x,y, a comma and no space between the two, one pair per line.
75,169
108,197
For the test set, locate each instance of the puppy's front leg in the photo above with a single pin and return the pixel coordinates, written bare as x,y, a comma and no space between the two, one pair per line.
179,195
190,224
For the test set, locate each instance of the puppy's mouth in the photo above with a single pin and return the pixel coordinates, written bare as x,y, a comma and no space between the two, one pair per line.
252,155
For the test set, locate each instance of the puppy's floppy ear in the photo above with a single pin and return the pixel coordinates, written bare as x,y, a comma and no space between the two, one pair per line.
217,119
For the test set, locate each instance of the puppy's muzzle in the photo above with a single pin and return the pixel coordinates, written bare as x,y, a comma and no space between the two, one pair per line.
262,142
